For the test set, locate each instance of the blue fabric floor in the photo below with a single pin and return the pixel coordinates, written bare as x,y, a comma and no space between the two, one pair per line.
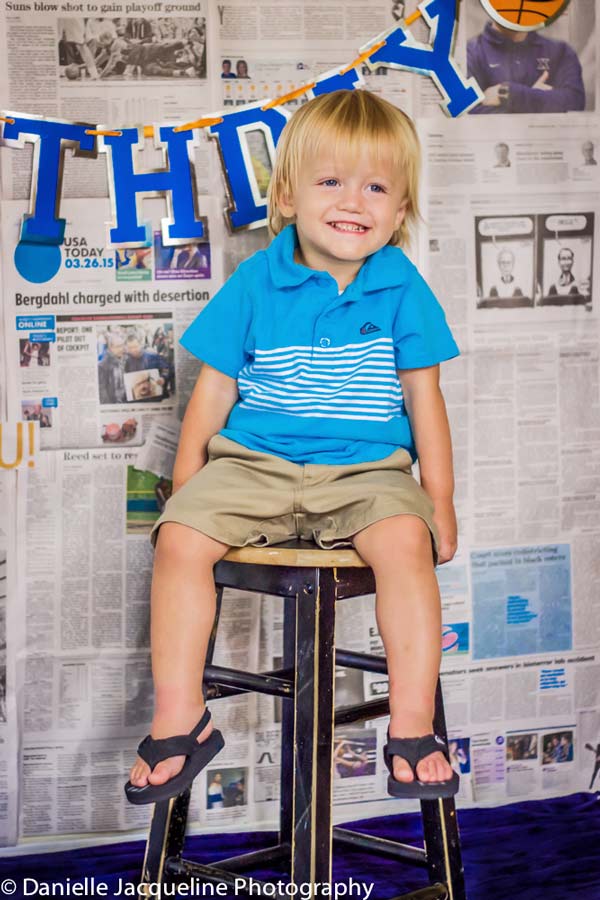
538,850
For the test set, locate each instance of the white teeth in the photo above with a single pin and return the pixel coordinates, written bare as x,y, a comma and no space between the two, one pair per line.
346,226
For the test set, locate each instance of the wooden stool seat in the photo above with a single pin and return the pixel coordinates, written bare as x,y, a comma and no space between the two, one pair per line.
296,553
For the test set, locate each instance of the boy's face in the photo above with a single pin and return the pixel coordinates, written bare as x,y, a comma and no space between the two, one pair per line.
346,208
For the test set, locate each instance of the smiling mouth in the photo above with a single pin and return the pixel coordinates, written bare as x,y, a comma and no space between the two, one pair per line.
348,227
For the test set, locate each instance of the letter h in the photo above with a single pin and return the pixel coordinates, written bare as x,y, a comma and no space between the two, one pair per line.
128,188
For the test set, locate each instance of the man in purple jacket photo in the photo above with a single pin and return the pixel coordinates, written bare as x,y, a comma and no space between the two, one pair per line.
524,72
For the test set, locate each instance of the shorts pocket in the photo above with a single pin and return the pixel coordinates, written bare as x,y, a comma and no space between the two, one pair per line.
403,461
209,445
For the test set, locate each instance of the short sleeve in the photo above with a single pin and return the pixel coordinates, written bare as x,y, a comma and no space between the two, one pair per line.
219,335
421,334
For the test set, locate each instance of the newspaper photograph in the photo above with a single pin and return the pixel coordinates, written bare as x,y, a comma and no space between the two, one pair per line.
130,47
96,358
111,71
545,71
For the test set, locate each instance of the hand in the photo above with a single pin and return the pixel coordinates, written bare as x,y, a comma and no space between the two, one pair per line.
495,95
541,85
445,519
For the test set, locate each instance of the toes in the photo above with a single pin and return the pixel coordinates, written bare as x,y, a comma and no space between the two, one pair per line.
444,772
434,768
139,773
165,770
425,770
402,770
439,770
424,773
448,771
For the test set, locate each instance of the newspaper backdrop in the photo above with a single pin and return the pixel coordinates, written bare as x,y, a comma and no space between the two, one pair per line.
508,244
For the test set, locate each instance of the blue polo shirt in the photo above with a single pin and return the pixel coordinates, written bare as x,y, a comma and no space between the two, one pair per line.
316,369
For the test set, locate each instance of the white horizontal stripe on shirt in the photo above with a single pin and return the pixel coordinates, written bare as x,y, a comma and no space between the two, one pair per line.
310,401
288,359
323,355
342,382
323,374
308,348
343,359
379,385
329,414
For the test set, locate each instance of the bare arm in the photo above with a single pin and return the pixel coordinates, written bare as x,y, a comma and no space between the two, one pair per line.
429,423
211,401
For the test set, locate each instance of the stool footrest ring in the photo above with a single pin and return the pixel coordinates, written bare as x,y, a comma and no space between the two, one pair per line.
415,855
184,869
359,712
263,683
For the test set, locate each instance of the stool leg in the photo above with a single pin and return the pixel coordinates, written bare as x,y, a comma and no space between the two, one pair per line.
166,837
210,650
313,727
213,635
442,842
286,795
440,827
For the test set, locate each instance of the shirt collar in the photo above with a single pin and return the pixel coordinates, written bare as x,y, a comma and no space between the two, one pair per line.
387,268
284,270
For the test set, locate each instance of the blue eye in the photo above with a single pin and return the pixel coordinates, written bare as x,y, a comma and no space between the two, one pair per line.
329,182
377,188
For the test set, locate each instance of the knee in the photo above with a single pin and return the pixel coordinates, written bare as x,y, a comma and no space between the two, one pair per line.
181,545
402,541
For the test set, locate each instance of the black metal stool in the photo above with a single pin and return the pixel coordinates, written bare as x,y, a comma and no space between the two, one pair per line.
310,580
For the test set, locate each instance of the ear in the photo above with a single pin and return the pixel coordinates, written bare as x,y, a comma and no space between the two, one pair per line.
286,205
400,215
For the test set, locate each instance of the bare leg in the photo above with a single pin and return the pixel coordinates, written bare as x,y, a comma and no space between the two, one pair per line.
408,611
88,58
183,612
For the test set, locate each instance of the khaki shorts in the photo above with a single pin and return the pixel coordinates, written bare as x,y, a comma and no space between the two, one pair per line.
244,497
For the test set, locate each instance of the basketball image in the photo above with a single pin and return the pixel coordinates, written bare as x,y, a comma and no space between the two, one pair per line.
524,15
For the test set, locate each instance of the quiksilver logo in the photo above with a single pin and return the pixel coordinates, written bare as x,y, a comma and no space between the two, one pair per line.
369,328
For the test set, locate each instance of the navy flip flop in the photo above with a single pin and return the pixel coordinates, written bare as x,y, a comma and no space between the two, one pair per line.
413,750
153,751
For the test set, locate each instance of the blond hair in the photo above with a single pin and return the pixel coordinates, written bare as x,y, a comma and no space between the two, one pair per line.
346,121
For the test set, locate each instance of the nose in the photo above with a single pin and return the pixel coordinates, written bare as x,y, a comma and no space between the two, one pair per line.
351,198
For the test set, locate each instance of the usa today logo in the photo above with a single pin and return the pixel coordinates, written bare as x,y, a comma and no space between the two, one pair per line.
524,15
